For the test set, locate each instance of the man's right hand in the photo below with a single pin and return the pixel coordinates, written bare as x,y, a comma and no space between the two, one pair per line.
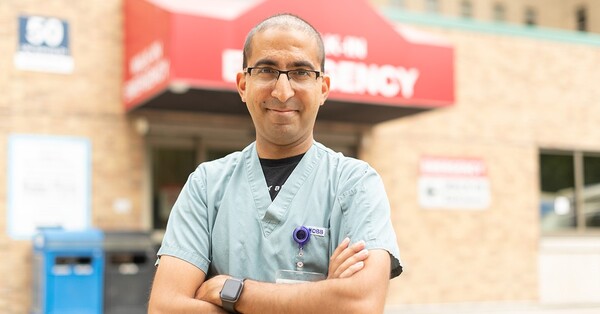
347,260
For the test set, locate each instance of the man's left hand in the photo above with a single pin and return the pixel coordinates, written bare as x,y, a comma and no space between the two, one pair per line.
210,290
347,259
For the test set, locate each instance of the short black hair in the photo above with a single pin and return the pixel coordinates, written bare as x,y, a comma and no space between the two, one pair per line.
285,20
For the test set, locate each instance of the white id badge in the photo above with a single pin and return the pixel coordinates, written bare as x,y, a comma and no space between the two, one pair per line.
293,276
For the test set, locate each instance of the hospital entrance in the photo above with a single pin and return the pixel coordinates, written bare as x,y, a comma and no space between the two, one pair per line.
177,143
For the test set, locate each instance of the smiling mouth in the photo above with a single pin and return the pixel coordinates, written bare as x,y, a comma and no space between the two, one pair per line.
282,110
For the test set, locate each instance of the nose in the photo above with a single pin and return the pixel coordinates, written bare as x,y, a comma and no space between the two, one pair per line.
283,88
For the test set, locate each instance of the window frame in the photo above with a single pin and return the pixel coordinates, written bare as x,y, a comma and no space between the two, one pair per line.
466,9
579,185
201,145
581,19
499,12
432,6
401,4
530,16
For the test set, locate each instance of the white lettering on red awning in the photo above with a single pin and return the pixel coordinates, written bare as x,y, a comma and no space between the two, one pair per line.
360,77
148,68
377,80
355,77
352,47
142,60
348,77
231,64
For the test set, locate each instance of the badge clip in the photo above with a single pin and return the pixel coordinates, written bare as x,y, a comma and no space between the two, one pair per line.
301,236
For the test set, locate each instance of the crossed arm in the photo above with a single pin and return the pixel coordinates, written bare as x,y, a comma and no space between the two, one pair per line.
357,283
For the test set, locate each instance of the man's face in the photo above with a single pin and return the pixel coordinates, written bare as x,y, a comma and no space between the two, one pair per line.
283,110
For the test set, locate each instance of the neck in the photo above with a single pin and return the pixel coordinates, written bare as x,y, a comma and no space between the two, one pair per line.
270,150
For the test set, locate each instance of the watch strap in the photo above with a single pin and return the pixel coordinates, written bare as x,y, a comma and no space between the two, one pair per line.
228,306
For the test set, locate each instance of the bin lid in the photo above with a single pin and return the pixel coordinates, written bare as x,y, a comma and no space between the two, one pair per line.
128,241
55,238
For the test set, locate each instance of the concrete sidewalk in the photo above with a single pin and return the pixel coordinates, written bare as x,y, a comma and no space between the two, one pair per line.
493,308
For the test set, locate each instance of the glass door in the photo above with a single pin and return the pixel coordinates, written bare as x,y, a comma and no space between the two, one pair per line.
172,161
171,167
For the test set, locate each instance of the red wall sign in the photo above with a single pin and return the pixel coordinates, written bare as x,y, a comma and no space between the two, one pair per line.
370,60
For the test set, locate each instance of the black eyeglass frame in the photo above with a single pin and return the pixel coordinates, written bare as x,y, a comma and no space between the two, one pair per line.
317,73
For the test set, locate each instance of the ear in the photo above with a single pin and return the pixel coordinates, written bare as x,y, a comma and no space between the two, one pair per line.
325,88
241,85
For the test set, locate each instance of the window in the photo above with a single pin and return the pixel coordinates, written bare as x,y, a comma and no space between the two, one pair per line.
570,191
530,16
591,191
398,3
557,181
581,19
171,167
466,9
499,12
432,6
172,159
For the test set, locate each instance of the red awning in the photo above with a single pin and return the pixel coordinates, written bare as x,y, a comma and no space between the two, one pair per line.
184,54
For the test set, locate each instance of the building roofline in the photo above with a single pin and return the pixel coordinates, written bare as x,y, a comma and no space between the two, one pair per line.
502,28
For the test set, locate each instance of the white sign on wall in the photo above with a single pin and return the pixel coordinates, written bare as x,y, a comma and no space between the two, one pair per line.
49,183
453,183
43,45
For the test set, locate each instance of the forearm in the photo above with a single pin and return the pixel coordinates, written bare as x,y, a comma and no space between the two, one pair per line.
182,304
363,292
174,287
327,296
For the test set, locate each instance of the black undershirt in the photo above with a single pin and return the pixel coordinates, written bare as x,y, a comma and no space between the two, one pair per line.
277,171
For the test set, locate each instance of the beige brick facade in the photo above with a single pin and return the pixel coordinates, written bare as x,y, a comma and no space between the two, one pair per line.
514,95
84,104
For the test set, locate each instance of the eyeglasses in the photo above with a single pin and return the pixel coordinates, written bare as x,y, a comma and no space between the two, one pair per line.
269,75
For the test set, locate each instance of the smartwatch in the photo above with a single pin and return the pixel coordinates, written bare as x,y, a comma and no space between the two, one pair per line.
230,294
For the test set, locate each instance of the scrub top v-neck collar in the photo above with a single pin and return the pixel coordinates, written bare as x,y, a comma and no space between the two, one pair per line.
272,214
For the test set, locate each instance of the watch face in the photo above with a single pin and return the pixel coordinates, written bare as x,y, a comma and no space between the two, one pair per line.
231,290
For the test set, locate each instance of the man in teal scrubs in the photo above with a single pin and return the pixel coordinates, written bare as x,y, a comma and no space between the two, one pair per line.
284,210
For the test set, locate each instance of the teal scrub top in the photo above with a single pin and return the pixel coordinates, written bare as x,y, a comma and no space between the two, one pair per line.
224,221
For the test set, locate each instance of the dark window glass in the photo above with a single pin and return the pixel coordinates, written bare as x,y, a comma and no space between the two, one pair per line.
530,17
591,191
212,154
499,12
581,19
466,9
557,181
170,170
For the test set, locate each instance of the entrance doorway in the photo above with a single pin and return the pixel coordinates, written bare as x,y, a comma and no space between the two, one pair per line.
176,149
172,161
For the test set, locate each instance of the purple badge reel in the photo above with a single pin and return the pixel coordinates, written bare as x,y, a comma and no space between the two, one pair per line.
301,236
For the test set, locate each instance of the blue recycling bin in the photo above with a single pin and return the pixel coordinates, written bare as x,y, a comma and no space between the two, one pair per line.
68,269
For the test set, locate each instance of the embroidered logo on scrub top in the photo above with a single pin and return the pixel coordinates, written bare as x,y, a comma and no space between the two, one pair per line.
316,231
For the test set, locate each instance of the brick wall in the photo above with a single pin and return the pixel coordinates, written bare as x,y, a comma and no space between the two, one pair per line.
514,95
85,104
